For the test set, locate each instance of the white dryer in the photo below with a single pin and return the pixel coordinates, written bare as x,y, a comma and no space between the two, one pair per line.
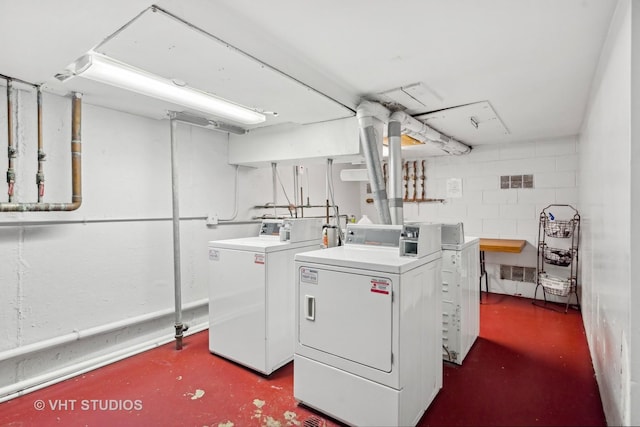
460,296
252,294
368,329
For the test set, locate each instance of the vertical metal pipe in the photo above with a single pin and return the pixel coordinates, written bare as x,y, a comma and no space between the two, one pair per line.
327,215
301,203
295,188
274,178
406,180
176,233
41,155
376,179
415,181
76,151
423,177
369,115
326,180
11,150
327,177
76,168
395,173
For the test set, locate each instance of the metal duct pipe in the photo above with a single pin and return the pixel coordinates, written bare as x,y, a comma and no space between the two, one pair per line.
367,112
422,132
179,326
76,169
395,173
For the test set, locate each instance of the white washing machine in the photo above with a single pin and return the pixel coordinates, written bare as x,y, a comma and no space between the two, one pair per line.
460,296
369,336
252,293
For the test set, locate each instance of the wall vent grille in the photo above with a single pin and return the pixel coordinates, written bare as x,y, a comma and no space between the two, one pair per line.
516,181
517,273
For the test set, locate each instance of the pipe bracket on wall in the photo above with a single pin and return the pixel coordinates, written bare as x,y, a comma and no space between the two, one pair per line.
76,161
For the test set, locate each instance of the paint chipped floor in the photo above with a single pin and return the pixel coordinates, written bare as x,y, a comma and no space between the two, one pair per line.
530,366
164,387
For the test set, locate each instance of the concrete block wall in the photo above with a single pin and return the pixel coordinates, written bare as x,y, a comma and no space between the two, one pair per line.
87,287
489,211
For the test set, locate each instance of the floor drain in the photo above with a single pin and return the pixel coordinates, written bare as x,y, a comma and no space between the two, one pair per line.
312,422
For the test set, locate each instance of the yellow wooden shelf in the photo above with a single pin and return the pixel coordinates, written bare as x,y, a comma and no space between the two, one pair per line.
502,245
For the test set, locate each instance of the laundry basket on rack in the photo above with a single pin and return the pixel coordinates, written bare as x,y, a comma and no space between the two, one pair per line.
556,256
555,285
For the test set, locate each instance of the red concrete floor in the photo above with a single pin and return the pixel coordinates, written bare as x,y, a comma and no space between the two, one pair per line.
529,367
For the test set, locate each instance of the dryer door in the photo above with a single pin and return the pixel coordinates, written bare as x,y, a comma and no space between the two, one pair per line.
347,314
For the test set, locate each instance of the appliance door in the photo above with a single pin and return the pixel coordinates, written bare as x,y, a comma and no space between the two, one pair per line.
346,313
237,306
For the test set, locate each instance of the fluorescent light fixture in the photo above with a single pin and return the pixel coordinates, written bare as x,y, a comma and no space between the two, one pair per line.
107,70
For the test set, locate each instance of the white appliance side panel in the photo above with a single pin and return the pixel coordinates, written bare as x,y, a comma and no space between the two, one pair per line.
346,314
237,306
280,306
451,300
419,359
351,399
450,334
470,298
461,299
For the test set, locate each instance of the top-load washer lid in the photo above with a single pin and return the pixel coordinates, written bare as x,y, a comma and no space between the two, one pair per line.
259,244
378,259
373,247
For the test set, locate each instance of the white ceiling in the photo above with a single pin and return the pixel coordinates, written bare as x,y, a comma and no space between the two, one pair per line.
531,60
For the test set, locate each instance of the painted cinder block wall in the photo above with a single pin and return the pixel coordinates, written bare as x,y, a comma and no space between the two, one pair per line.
83,276
609,156
489,211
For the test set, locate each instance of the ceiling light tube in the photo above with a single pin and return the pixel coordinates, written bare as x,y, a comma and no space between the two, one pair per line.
107,70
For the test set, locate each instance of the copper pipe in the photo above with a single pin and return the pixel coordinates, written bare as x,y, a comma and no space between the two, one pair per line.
405,178
384,171
41,155
76,170
327,219
11,150
76,153
422,179
415,181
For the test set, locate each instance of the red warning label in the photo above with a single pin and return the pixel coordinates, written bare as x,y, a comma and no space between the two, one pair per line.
381,286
